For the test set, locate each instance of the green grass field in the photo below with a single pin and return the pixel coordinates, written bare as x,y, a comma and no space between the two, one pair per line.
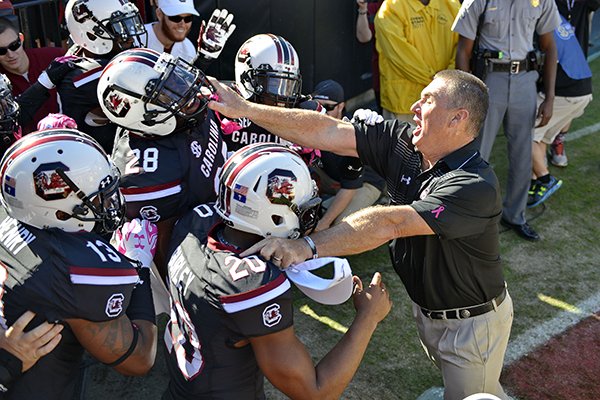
562,266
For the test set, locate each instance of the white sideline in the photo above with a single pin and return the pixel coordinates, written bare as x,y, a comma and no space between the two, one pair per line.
579,133
529,340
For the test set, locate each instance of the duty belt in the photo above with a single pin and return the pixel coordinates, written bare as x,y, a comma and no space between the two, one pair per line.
467,312
514,67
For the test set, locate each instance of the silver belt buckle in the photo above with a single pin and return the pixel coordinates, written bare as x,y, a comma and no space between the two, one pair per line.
515,66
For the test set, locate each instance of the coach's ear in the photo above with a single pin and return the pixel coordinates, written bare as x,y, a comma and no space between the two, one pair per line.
459,117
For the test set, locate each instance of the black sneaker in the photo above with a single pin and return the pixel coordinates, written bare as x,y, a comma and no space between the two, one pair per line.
543,191
532,191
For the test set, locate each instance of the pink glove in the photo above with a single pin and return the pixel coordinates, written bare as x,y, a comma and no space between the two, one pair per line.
52,121
137,240
309,155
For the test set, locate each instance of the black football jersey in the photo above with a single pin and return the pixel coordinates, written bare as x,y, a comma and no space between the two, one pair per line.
78,97
59,275
163,177
250,135
217,300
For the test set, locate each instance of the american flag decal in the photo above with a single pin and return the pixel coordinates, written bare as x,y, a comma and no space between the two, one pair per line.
240,192
9,185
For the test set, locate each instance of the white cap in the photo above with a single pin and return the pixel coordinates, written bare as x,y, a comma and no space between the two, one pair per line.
330,291
177,7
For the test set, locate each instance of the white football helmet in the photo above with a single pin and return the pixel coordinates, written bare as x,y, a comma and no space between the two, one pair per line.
267,68
96,25
9,114
143,91
61,178
266,189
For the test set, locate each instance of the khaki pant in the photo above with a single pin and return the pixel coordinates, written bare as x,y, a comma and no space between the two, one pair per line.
565,110
469,352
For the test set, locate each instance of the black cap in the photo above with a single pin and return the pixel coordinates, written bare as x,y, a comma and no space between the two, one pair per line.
329,90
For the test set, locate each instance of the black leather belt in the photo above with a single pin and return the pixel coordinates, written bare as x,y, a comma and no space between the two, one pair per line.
514,67
467,312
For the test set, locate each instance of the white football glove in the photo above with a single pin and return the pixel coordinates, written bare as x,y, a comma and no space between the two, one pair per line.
137,240
214,35
368,117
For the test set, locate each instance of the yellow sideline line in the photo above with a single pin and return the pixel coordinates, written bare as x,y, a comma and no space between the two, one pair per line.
559,304
305,309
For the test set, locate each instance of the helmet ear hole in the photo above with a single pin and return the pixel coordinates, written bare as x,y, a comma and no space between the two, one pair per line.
277,219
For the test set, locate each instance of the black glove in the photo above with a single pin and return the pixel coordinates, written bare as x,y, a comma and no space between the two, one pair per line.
57,70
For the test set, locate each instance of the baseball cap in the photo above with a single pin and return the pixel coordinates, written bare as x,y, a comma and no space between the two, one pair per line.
329,90
334,290
177,7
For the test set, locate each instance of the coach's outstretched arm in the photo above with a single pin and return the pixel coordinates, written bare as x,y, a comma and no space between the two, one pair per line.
304,127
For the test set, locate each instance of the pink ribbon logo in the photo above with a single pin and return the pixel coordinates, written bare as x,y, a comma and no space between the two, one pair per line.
438,211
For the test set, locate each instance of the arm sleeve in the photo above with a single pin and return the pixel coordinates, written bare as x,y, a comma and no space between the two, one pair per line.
376,144
550,18
467,19
30,101
263,310
459,207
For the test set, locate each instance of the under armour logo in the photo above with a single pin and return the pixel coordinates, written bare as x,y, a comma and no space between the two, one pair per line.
405,179
105,182
139,238
438,211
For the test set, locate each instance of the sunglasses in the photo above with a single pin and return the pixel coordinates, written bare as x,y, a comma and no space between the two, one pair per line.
14,46
329,107
178,18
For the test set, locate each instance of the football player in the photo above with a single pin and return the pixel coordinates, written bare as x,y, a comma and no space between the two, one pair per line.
100,29
169,147
60,194
267,71
231,318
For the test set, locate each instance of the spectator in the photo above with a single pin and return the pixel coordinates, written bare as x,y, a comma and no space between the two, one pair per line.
414,42
60,196
442,221
169,33
233,316
344,184
24,66
505,48
573,93
365,33
578,14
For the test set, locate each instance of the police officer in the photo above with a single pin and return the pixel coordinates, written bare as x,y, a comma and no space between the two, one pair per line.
506,33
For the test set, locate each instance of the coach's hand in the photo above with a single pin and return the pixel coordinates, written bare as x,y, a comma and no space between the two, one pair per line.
227,102
30,346
281,252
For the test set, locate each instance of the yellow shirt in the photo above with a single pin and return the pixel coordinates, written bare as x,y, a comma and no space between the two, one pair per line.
414,42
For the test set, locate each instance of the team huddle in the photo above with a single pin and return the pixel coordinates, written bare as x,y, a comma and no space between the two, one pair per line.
140,199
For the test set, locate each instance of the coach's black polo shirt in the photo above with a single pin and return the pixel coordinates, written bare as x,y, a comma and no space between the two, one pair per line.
459,198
